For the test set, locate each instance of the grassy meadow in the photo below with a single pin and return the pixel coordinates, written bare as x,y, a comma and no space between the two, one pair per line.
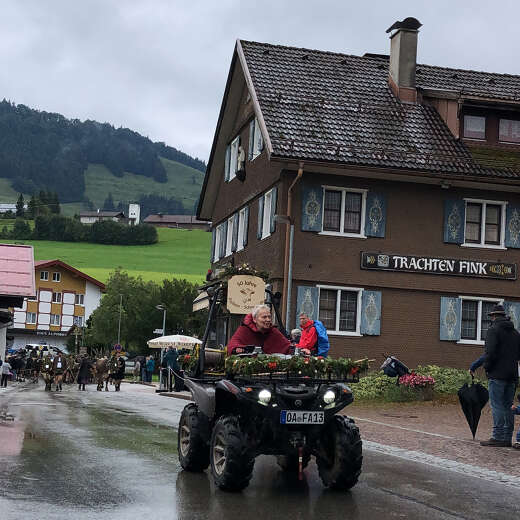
179,254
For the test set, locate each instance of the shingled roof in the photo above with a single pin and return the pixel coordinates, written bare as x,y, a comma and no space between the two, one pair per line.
339,108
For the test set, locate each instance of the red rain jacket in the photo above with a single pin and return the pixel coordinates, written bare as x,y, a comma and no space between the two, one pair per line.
309,337
272,340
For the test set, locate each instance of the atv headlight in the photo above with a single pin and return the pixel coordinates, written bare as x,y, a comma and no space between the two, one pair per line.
329,397
264,396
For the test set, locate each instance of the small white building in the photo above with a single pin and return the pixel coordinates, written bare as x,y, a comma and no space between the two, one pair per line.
89,217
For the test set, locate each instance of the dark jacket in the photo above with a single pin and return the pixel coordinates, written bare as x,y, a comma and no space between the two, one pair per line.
84,369
272,341
502,350
120,371
170,359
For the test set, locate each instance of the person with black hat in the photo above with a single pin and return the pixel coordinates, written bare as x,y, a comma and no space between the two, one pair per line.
500,360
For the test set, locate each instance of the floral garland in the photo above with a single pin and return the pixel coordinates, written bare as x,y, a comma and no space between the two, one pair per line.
232,270
414,380
318,367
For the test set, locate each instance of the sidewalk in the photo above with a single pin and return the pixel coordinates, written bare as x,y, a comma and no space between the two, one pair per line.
434,428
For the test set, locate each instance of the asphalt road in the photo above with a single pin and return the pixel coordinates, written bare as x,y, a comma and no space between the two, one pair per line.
92,455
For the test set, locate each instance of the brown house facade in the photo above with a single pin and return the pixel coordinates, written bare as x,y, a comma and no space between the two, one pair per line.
382,195
177,221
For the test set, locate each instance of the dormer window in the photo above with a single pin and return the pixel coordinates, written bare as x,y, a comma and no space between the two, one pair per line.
475,127
509,131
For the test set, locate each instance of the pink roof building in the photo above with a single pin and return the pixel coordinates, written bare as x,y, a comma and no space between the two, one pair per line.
16,273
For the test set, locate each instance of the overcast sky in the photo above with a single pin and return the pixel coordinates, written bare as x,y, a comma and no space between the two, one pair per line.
159,66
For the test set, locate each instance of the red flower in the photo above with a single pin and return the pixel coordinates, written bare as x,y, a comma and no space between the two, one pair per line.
272,365
187,357
354,370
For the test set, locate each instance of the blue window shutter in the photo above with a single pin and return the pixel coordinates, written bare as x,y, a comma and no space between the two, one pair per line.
246,225
454,221
371,313
226,163
260,217
513,311
251,139
512,226
375,215
234,240
213,232
450,318
312,207
307,301
274,194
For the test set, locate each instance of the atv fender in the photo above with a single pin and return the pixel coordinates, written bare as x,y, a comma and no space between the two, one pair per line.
204,396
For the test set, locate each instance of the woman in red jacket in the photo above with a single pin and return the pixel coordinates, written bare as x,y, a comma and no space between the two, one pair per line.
309,337
257,329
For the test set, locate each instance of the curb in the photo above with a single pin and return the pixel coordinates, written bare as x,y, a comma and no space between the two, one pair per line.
178,395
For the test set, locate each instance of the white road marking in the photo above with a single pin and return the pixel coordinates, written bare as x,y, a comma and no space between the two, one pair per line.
438,462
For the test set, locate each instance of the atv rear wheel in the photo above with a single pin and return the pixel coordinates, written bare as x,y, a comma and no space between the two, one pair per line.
340,458
193,439
231,464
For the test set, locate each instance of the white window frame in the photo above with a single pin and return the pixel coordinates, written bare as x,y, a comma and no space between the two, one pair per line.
481,139
81,298
258,141
53,319
484,202
338,288
499,125
56,276
266,217
233,157
229,237
241,229
44,275
341,233
31,314
58,299
218,238
479,299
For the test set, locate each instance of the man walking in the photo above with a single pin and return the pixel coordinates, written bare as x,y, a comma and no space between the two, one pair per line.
500,359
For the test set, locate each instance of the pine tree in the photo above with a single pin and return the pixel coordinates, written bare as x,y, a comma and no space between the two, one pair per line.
32,208
108,205
20,207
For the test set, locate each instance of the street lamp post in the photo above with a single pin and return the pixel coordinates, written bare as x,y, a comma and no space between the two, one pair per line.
162,307
119,326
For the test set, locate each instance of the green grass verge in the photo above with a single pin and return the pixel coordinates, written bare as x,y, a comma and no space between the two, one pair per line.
178,254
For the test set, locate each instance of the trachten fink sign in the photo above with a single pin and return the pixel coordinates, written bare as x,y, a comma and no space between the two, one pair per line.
437,265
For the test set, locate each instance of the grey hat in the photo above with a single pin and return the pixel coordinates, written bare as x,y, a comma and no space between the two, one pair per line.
497,309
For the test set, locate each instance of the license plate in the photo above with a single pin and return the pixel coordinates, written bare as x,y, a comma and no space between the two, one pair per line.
301,417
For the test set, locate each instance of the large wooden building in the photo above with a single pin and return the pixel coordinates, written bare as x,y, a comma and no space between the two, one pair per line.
383,195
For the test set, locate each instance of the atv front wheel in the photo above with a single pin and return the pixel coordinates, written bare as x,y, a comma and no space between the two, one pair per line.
340,456
193,439
231,464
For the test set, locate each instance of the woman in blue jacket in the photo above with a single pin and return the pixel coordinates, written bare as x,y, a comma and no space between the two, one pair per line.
150,367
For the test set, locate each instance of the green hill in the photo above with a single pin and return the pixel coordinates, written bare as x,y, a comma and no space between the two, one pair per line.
178,254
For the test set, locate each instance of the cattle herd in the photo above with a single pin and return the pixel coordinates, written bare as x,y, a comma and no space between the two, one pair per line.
58,368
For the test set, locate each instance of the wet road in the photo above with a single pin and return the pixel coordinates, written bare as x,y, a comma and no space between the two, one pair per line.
91,455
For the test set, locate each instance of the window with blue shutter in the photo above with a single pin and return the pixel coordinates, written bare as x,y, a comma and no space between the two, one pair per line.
260,217
512,226
234,240
513,311
274,193
223,240
375,215
450,319
371,313
251,143
213,233
312,207
246,225
227,162
307,301
454,221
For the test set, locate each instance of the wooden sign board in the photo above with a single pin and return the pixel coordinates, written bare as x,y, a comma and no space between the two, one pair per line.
244,292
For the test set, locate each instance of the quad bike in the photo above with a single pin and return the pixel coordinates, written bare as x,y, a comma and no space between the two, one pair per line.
233,419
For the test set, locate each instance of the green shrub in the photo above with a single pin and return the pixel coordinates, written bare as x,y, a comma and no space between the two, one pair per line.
447,380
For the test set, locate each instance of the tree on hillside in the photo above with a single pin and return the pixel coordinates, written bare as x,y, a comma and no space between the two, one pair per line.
20,207
54,203
32,209
109,205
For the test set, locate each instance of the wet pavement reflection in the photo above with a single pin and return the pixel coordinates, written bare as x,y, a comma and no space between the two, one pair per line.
97,455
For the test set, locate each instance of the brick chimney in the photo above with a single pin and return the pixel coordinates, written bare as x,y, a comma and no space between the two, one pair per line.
403,59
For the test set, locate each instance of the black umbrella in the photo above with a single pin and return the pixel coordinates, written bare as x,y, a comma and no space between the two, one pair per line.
472,399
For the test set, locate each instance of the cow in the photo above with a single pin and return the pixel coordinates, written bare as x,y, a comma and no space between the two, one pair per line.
101,373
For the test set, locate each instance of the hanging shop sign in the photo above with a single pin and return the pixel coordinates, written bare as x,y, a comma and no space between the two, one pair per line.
442,266
244,292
